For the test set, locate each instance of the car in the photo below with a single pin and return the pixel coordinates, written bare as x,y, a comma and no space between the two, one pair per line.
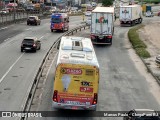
30,44
33,20
88,13
88,20
4,11
20,9
142,114
149,14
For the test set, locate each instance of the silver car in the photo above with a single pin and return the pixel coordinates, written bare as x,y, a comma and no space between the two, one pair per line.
88,20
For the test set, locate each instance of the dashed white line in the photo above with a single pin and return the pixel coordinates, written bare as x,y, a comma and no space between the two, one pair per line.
6,39
3,28
29,29
10,68
41,37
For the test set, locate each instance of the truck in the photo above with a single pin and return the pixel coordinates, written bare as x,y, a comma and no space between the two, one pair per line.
102,25
130,15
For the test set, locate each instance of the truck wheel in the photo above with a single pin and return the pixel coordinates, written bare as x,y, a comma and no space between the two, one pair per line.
111,42
21,50
140,20
133,23
51,30
113,30
62,29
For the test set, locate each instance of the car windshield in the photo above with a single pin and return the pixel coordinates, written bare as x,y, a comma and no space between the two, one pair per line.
56,20
28,40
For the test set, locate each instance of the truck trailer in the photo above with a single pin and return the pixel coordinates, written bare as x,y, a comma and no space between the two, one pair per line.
130,15
102,25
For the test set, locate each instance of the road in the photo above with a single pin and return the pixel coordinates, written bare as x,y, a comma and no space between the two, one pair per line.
124,81
19,69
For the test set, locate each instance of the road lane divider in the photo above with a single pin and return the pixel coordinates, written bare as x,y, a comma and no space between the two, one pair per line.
10,68
41,37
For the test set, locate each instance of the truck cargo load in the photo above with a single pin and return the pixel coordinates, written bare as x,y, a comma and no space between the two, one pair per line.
102,25
130,15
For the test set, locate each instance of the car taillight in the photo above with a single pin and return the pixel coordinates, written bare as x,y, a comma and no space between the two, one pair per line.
109,36
92,36
55,96
95,99
34,45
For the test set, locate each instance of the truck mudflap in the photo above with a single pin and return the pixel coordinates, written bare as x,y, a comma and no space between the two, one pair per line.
101,39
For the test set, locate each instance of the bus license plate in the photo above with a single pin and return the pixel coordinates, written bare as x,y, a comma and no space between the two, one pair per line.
73,102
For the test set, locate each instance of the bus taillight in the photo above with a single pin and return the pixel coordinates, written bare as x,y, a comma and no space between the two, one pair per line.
55,96
95,99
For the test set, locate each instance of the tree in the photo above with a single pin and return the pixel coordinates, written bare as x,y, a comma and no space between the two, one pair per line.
107,3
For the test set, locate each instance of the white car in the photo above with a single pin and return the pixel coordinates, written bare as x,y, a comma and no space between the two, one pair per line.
149,14
88,20
4,11
88,13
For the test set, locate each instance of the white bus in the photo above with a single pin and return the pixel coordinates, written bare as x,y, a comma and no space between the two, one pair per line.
77,75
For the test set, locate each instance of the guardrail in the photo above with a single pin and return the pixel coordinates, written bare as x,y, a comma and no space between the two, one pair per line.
32,89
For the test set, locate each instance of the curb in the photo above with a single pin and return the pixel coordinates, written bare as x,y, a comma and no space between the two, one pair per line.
157,78
150,71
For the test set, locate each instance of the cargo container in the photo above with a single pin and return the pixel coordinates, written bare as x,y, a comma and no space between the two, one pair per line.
102,25
130,15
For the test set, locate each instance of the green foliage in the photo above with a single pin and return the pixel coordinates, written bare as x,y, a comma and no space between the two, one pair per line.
142,52
150,1
137,44
107,2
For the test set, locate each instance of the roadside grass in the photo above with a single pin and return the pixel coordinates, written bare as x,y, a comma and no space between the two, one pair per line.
137,43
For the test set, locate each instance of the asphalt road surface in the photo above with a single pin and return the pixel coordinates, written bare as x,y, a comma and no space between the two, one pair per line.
122,86
17,70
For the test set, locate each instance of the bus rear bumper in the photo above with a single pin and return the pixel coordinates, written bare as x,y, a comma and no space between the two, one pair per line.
73,107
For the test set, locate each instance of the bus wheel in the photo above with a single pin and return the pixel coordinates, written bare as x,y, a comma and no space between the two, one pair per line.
51,30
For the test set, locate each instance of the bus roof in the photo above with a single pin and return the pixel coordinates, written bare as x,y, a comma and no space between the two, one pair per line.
77,50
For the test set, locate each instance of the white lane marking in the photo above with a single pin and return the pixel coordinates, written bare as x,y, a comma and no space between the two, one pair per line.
6,39
28,28
3,28
41,37
10,68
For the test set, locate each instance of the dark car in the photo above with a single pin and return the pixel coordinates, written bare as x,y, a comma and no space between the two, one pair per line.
33,20
142,114
30,44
